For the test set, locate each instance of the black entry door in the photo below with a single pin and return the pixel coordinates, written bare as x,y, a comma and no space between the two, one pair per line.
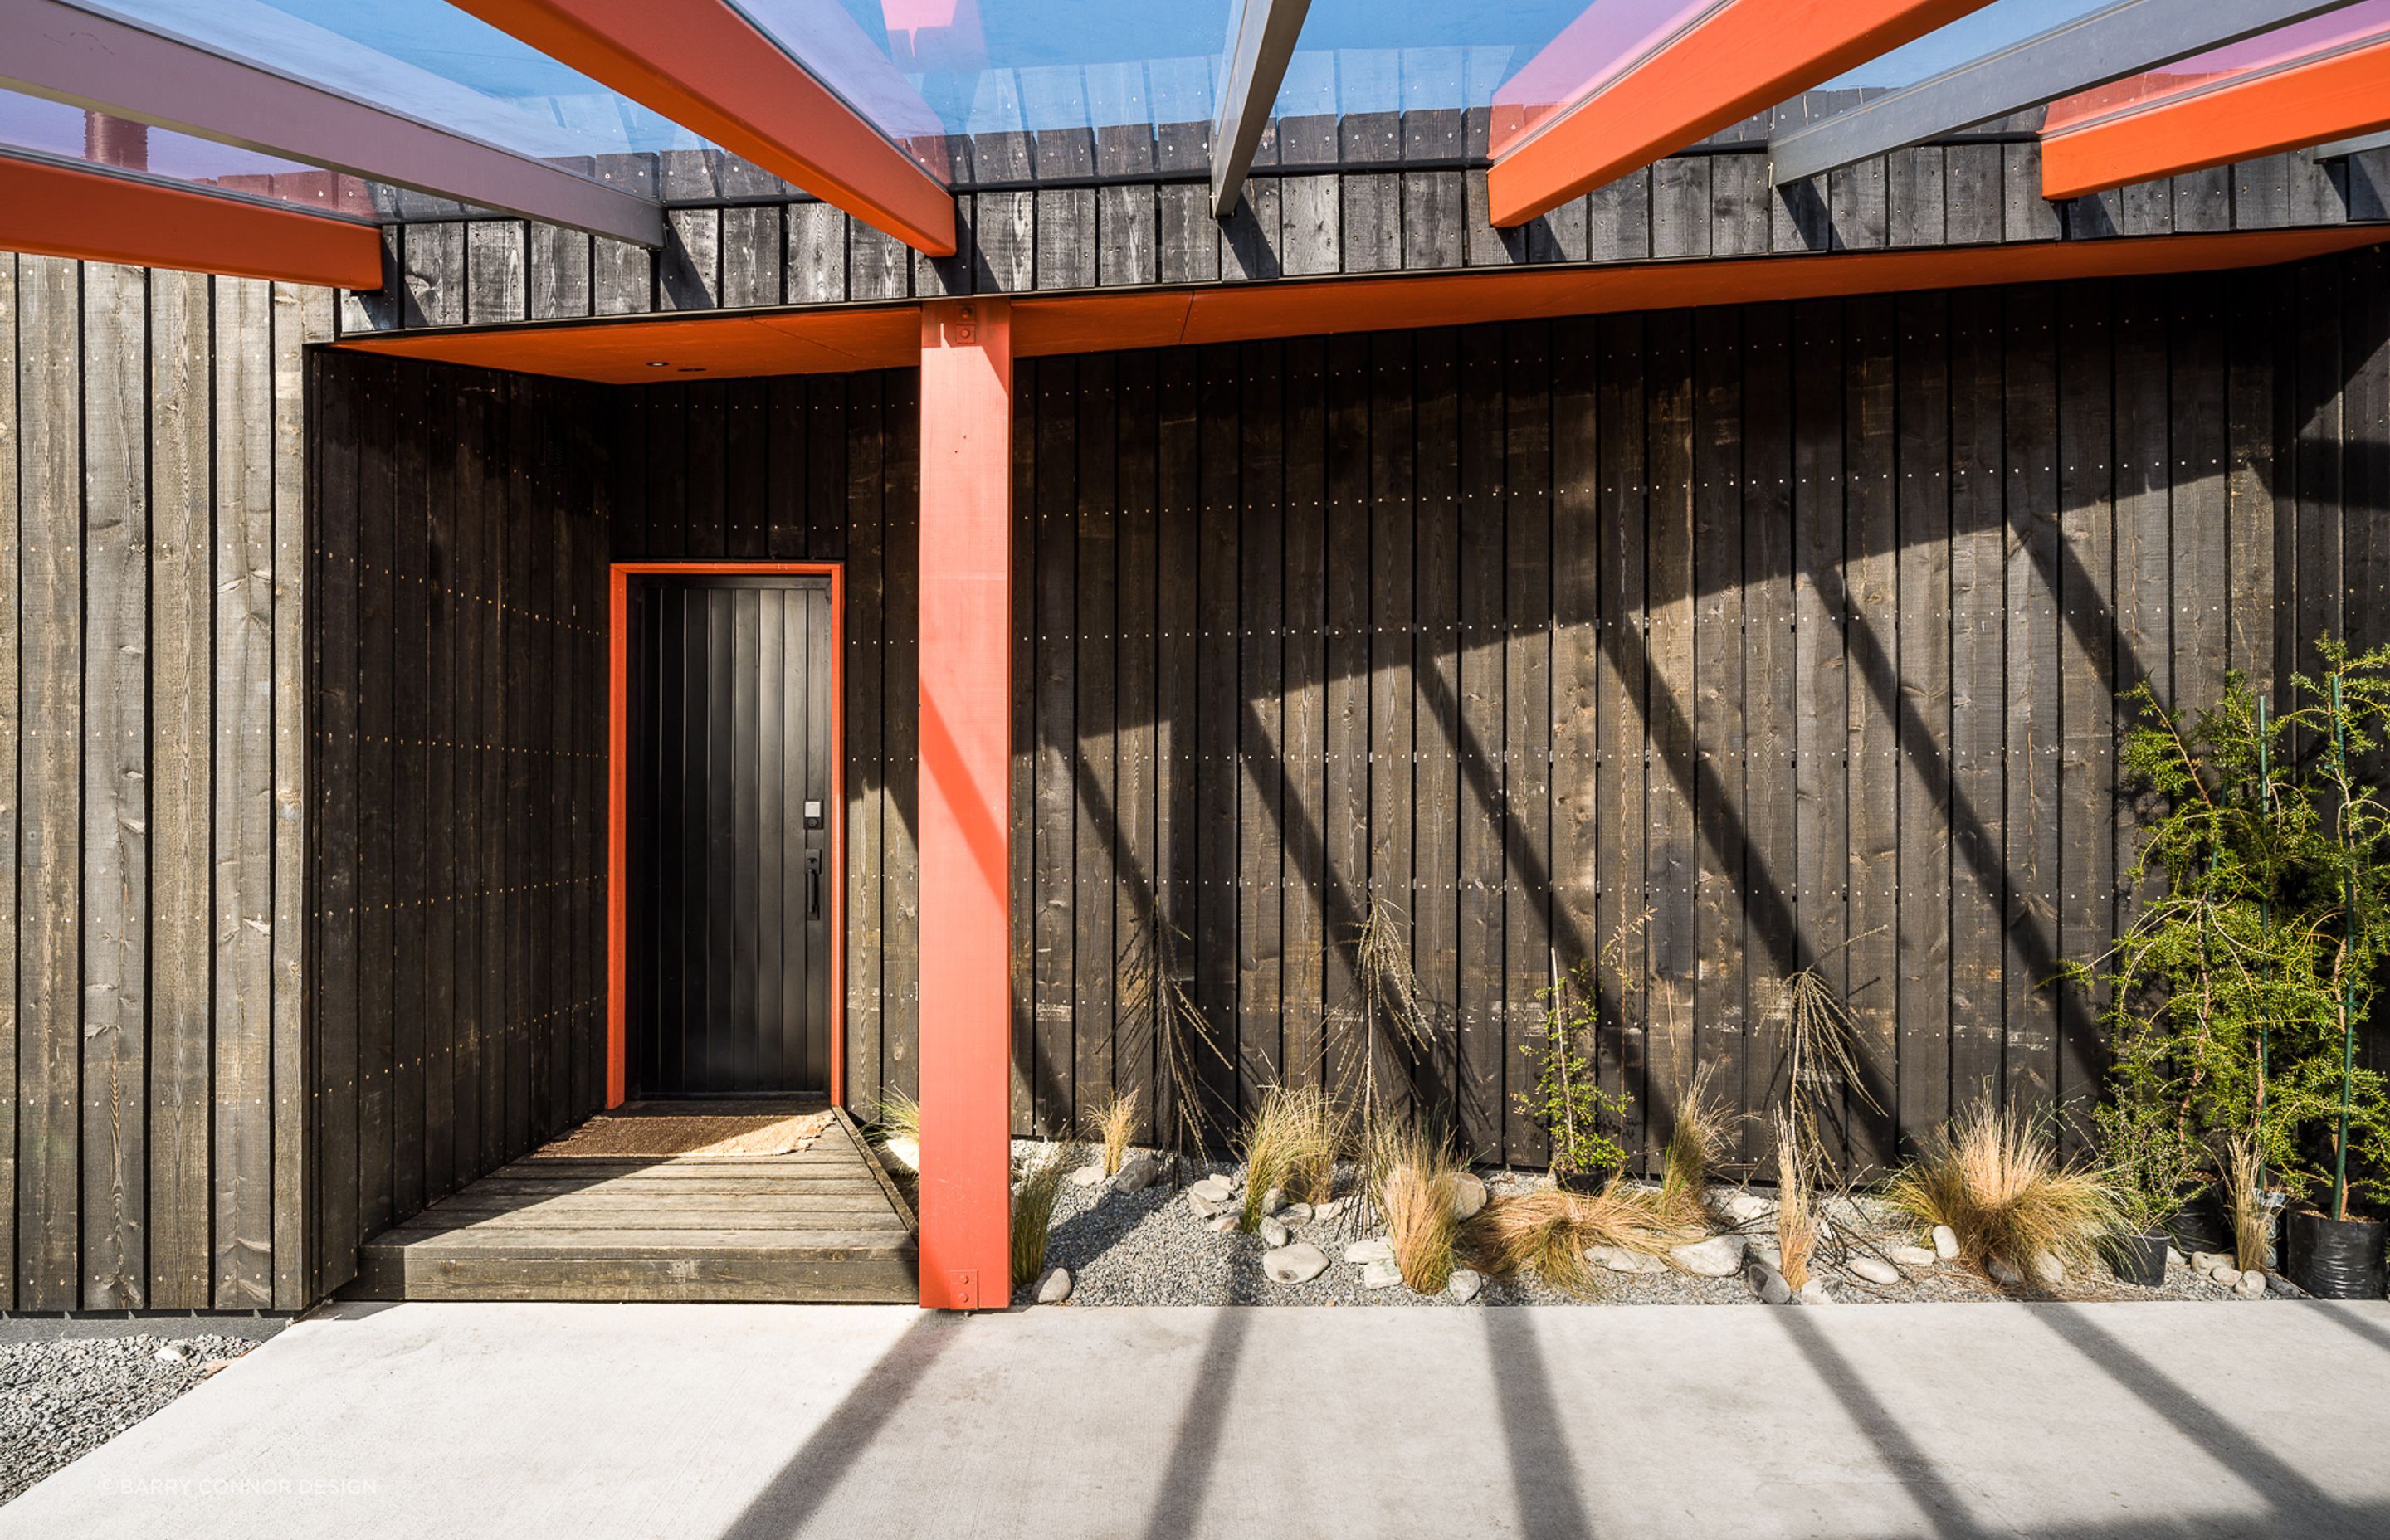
728,926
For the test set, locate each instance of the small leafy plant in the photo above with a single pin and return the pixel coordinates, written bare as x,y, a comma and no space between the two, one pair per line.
2150,1158
1567,1100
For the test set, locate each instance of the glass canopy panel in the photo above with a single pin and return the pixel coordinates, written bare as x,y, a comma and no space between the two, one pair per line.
1978,34
1576,55
72,134
2353,26
429,60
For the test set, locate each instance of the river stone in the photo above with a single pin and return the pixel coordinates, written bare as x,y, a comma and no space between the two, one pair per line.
1718,1257
1294,1214
906,1152
2225,1277
1087,1176
1204,1205
2252,1285
1618,1259
2002,1272
1468,1195
1742,1207
1767,1282
1300,1262
1363,1253
1922,1257
1221,1224
1761,1250
1464,1285
2047,1270
2204,1263
1816,1292
1138,1174
1273,1234
1945,1243
1381,1274
1218,1189
1329,1210
1055,1287
1272,1199
1873,1270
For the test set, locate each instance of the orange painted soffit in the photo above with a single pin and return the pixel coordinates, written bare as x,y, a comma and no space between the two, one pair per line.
2335,97
58,211
734,344
1745,56
707,67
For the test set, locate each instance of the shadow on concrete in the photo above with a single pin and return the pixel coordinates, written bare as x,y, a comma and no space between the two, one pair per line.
1186,1481
1543,1469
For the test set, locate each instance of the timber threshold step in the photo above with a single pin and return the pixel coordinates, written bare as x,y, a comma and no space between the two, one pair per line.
670,1229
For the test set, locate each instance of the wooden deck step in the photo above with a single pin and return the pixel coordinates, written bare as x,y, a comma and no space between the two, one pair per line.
820,1225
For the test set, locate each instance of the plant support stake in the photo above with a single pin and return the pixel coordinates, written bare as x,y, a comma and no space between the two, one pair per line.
2348,943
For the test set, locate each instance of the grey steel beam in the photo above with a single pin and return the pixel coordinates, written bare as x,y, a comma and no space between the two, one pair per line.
1260,44
2109,44
2342,148
92,60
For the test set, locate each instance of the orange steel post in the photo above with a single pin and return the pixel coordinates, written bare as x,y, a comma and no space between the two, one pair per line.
2314,103
1745,56
965,827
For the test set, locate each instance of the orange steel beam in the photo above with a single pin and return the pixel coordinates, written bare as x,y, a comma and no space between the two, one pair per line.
60,211
706,67
1745,56
2321,100
964,827
722,346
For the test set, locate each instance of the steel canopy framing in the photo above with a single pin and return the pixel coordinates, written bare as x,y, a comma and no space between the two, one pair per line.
709,68
1745,56
89,58
2313,101
2109,44
64,211
1261,41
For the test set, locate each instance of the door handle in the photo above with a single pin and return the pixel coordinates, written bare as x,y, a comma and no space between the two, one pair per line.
813,885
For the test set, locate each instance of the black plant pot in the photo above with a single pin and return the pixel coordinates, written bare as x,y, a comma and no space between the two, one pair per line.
2336,1259
1586,1182
2201,1225
2140,1259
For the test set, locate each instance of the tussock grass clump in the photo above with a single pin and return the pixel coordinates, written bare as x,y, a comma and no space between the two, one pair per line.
1035,1194
1797,1218
900,1119
1414,1178
1112,1123
1694,1146
2000,1187
1547,1232
2244,1201
1291,1142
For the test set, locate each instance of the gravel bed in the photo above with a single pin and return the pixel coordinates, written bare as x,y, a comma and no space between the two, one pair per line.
67,1386
1151,1247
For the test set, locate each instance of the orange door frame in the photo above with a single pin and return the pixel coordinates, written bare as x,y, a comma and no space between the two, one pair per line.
2333,97
618,775
964,823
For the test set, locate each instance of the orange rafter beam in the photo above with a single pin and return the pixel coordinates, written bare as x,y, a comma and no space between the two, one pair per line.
2310,103
707,67
1744,55
58,212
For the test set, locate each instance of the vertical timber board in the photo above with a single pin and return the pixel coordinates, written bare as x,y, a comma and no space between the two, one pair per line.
1135,898
49,683
1397,659
1670,862
2255,321
1872,619
1056,740
900,557
2030,922
2315,466
558,263
865,683
411,786
1484,815
1821,694
244,787
1178,493
2144,585
1528,727
182,685
1978,695
377,431
1721,798
1345,811
1578,667
1094,800
2087,683
12,426
1261,744
438,1002
2365,442
1217,716
1769,682
1623,930
302,316
2196,487
1307,839
497,272
115,1027
1437,792
1923,540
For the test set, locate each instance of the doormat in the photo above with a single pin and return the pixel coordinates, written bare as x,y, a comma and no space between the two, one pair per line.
641,1130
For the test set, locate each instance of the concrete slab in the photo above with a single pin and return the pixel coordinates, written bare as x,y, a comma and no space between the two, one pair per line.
458,1421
